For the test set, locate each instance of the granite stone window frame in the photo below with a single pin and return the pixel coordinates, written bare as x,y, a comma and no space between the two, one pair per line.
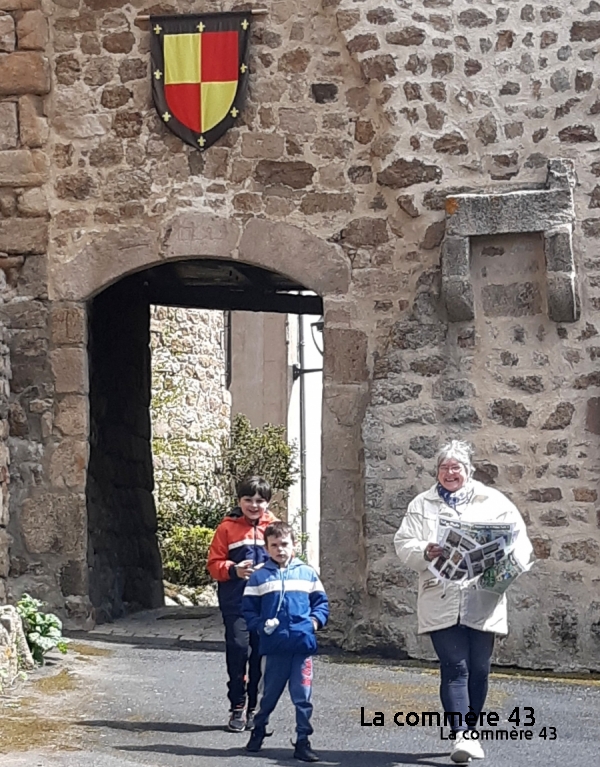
549,211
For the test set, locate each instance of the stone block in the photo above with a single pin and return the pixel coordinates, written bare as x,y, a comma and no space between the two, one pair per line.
295,174
349,362
68,462
455,257
19,5
315,263
33,278
404,173
514,300
592,415
21,167
55,523
23,235
33,126
14,651
459,299
32,203
9,130
267,146
563,297
558,249
510,413
347,404
71,416
68,324
32,31
297,122
7,34
24,72
70,370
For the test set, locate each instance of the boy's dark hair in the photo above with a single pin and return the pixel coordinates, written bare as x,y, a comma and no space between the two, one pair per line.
279,530
252,485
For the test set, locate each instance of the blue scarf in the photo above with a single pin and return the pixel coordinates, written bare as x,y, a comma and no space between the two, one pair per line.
458,497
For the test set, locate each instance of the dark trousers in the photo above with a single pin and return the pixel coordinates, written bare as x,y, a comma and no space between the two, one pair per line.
465,659
243,662
297,672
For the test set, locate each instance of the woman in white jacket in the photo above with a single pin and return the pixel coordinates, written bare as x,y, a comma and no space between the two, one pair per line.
461,620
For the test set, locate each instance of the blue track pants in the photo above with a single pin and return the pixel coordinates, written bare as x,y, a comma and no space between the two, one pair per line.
297,672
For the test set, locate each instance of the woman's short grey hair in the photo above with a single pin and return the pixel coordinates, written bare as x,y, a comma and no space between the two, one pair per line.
460,451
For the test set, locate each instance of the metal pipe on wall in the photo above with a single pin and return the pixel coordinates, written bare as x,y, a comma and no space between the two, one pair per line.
302,446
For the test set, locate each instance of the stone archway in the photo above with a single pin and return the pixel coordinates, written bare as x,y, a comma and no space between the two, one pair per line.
104,261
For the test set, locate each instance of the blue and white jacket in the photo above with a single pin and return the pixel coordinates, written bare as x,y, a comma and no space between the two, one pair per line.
292,594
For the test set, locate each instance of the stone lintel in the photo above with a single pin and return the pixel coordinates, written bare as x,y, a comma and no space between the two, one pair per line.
470,215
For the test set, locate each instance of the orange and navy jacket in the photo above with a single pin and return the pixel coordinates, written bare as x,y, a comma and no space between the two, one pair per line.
236,539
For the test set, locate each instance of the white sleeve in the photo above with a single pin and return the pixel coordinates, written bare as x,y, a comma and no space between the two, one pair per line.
409,540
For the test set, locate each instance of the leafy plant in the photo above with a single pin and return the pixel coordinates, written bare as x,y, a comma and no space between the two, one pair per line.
262,452
184,554
246,451
43,631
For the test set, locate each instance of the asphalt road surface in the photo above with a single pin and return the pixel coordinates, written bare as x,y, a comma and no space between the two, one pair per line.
119,704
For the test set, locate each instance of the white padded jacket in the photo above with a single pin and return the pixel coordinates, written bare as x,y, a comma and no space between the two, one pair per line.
441,605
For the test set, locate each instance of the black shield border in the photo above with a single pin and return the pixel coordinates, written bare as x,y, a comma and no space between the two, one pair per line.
186,24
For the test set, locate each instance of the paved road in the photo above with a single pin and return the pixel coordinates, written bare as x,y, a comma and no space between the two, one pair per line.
157,700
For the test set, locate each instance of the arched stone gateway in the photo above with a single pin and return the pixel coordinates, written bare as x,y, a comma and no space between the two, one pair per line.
98,454
320,266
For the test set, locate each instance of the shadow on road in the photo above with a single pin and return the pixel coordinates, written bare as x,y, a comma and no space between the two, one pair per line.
150,642
180,727
279,756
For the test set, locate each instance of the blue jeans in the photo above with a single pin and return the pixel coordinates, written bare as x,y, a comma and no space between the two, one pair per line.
465,660
279,670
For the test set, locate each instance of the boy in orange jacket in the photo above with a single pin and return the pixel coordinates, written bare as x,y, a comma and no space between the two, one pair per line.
236,551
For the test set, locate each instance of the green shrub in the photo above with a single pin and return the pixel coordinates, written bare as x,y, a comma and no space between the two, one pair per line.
263,452
184,554
43,631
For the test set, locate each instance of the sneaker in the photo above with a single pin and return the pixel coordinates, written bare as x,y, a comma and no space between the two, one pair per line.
256,739
466,749
237,720
475,749
304,752
250,719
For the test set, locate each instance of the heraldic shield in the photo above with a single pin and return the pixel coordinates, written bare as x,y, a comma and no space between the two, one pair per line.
199,73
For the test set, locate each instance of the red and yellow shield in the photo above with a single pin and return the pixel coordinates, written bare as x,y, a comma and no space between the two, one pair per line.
199,73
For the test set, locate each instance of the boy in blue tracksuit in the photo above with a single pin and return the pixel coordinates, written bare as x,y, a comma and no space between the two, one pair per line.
285,603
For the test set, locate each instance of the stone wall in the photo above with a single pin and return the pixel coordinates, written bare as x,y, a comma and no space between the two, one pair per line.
191,407
362,119
4,451
123,558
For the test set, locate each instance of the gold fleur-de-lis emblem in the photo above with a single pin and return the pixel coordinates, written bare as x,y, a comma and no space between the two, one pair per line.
245,24
243,69
157,29
234,112
201,141
166,117
201,27
157,74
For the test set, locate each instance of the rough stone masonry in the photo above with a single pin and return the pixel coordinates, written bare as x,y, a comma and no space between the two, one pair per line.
364,122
